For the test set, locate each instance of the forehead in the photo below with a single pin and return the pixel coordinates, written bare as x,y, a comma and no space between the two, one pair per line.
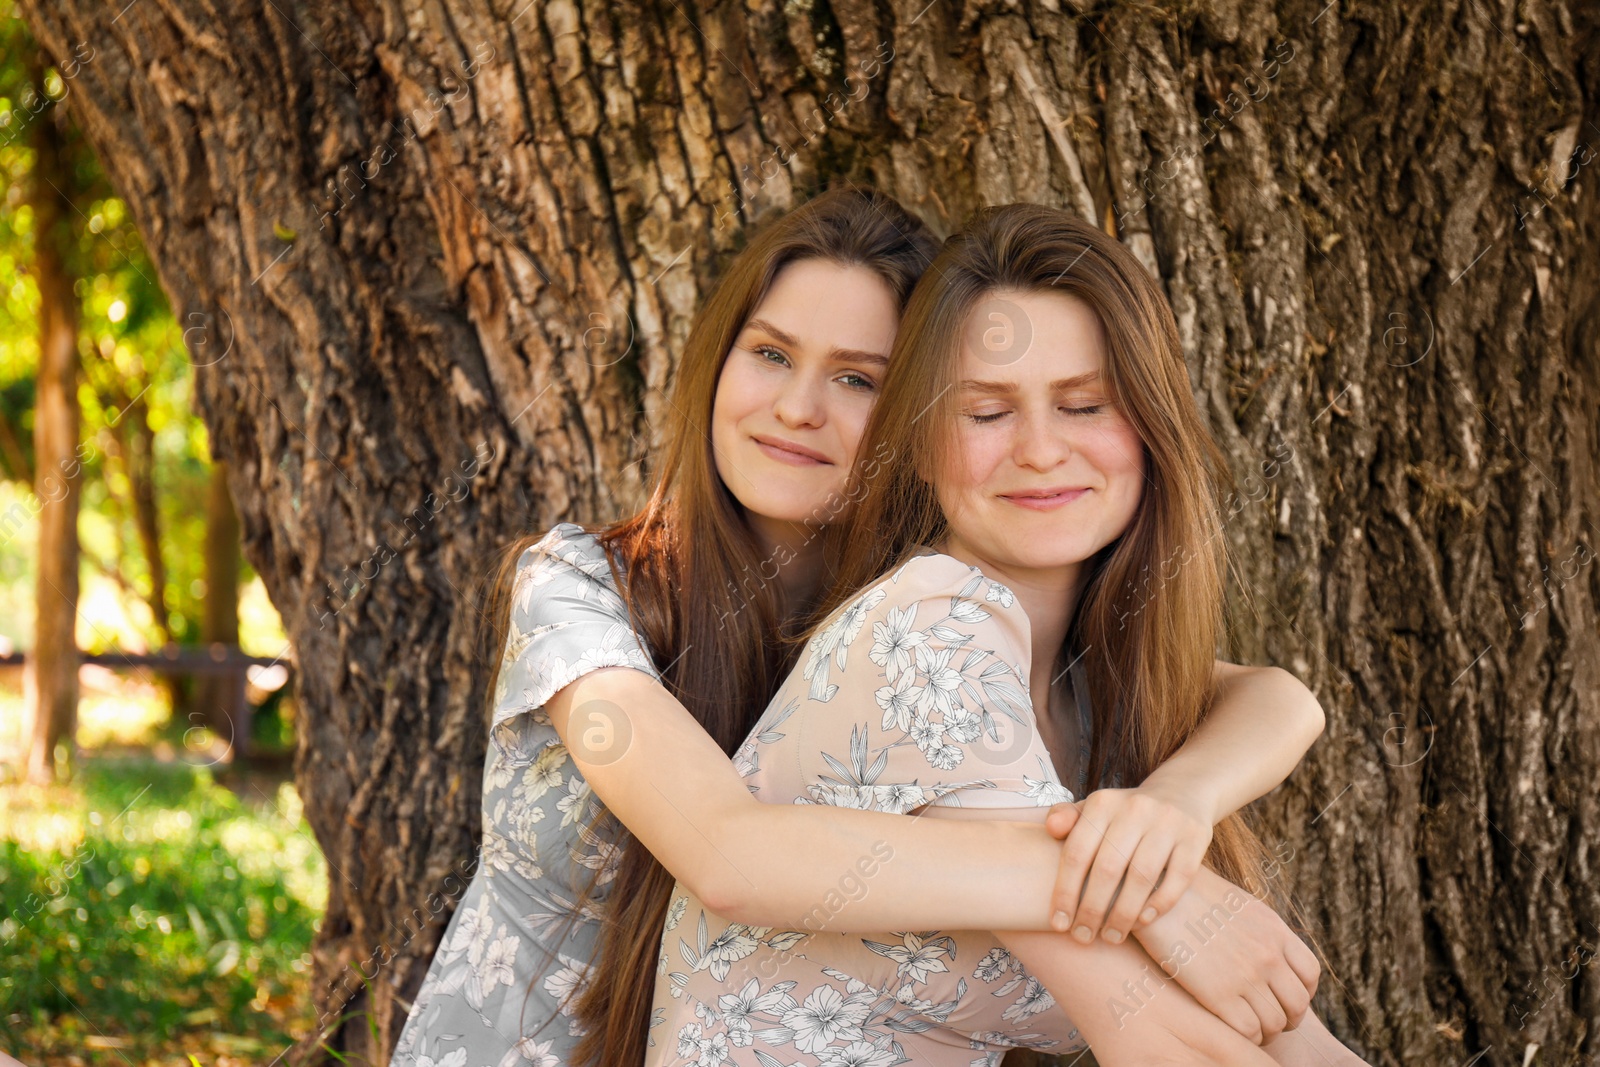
1026,336
831,305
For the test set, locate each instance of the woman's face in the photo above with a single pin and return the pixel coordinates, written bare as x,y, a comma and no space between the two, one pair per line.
797,387
1046,470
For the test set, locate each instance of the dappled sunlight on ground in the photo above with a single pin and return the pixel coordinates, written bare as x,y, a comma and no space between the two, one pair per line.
153,909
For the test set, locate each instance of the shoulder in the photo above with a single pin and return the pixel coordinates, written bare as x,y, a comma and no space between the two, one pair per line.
563,576
938,574
932,598
927,665
973,597
567,618
567,560
566,546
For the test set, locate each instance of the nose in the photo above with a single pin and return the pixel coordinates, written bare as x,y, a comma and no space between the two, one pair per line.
1040,445
799,403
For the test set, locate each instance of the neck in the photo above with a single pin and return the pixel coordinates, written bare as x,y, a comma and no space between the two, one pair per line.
1047,595
791,557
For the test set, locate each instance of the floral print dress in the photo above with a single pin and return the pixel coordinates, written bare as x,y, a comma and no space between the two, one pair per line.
915,694
494,994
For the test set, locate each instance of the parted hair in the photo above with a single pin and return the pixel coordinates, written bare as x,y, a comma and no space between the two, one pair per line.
1150,610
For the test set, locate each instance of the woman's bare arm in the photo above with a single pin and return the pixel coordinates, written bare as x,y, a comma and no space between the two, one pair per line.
1133,852
1131,1014
1311,1045
1262,723
662,775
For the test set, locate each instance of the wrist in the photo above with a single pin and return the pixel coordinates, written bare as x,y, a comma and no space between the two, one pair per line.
1159,936
1205,889
1196,794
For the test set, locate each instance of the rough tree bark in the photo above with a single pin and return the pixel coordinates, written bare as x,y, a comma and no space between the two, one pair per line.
403,235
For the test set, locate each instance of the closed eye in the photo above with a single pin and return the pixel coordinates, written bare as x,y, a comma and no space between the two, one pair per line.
1091,409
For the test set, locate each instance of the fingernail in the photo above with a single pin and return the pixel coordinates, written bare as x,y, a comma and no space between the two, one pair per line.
1114,936
1148,915
1083,934
1059,921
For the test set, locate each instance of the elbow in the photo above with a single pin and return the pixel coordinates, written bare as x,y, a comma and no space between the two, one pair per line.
1309,707
723,889
734,898
722,894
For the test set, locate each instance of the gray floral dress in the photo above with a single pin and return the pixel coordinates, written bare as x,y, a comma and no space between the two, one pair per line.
493,996
914,695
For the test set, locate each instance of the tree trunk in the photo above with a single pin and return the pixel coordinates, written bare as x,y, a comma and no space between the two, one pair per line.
219,698
50,677
403,236
137,451
131,443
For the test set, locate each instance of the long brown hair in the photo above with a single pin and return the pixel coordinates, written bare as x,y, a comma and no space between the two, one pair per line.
1149,615
689,567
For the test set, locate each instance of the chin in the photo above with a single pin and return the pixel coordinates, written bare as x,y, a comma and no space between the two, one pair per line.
1049,562
795,518
781,506
1061,552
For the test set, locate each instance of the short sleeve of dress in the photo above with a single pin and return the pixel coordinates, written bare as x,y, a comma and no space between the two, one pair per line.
567,619
917,694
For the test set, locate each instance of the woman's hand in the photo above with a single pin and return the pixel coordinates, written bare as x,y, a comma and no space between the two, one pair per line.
1126,836
1235,956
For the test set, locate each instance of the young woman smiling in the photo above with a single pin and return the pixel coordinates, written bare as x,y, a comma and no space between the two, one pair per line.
1026,486
637,656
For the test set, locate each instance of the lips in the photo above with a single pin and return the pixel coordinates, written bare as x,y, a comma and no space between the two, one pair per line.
1043,499
789,452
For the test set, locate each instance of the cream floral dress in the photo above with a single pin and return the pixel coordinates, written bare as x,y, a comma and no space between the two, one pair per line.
496,992
914,694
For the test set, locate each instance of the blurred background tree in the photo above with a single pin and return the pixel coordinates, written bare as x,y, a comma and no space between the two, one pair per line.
155,522
153,882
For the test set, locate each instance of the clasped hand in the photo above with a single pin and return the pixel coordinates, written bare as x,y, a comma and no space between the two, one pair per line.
1132,864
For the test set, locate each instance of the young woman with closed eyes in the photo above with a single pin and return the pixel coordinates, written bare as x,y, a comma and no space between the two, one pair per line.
1018,492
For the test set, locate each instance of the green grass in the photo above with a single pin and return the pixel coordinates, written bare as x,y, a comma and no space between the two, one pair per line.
148,913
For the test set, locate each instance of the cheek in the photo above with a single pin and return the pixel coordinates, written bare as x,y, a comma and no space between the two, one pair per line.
1119,451
1132,446
728,406
979,450
974,453
851,420
738,394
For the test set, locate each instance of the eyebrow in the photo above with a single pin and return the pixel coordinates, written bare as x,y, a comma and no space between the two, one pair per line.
848,355
1059,385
